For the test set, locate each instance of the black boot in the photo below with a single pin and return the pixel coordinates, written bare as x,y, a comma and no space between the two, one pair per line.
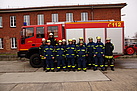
47,70
69,69
74,70
94,69
112,68
106,68
64,70
102,69
58,70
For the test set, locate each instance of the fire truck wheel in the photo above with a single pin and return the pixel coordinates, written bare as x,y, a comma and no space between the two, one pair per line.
130,51
35,61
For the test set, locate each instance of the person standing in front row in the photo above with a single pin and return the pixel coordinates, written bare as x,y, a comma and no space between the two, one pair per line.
70,55
48,55
109,47
99,54
81,56
90,52
60,56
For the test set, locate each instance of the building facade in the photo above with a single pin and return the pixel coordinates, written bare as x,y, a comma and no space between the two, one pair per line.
11,20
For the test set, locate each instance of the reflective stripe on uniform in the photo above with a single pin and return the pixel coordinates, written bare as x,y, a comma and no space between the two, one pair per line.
89,64
108,56
52,68
84,68
58,67
101,65
106,65
111,65
73,66
96,65
79,68
48,68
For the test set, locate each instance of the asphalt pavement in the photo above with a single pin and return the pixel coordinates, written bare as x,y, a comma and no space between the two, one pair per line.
20,76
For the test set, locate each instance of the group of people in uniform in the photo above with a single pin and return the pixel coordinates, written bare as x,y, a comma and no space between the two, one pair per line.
76,56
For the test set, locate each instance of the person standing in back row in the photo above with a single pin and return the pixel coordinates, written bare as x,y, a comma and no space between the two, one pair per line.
41,52
81,39
109,47
52,39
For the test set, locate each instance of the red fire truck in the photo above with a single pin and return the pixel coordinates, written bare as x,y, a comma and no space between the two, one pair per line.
31,36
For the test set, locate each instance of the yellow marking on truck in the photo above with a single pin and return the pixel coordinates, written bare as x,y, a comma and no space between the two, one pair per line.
96,22
23,49
29,41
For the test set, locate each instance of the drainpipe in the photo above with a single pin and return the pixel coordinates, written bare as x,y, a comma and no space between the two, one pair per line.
92,13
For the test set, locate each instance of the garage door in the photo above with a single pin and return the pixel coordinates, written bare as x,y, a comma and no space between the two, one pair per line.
94,32
74,33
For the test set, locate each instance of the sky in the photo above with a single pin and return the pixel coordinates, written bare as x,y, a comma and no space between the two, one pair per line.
129,12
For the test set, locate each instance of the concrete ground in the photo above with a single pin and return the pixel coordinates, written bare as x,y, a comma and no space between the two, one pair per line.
124,78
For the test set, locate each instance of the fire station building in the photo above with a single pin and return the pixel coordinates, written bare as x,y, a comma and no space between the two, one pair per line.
11,20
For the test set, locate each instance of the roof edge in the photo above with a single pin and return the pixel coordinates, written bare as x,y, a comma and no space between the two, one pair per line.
93,6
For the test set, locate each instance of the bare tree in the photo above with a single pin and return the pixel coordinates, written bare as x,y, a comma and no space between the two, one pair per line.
135,36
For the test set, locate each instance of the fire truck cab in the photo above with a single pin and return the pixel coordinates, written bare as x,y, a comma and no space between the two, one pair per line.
31,36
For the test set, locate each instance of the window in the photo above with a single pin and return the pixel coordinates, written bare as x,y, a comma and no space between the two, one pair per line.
69,17
54,17
12,21
54,30
40,32
1,43
40,19
29,32
26,19
84,16
0,21
13,43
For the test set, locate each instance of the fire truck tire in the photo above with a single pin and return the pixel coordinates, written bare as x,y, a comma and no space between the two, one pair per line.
35,61
130,51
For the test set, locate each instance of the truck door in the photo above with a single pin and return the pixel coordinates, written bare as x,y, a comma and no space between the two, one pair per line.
27,38
94,32
74,33
116,35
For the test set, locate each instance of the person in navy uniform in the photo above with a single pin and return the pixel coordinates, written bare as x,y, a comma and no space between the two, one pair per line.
99,54
48,55
60,56
70,55
52,39
41,52
64,43
109,47
81,39
74,41
90,52
81,56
